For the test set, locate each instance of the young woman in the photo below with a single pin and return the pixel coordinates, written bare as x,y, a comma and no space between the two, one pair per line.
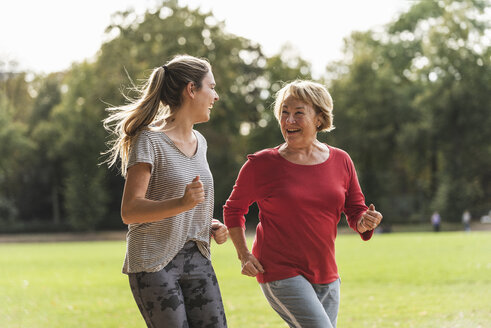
168,196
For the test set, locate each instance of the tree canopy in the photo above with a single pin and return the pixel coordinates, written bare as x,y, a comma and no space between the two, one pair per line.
412,108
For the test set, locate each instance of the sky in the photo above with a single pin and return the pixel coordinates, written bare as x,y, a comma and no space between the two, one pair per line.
49,35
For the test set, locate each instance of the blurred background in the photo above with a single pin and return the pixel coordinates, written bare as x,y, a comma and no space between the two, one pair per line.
411,103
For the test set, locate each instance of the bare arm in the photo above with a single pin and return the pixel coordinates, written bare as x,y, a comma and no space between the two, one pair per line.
250,265
135,208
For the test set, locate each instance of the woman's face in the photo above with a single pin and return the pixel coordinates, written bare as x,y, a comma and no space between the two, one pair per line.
205,97
298,122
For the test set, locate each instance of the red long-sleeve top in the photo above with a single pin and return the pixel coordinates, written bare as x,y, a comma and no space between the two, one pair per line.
299,209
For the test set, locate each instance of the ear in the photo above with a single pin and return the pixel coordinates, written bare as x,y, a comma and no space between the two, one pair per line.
190,90
318,120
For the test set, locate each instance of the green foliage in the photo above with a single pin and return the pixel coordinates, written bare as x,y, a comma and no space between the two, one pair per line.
15,146
406,280
80,139
44,167
413,109
411,106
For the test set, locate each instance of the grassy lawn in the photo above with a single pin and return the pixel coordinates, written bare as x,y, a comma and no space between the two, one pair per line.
395,280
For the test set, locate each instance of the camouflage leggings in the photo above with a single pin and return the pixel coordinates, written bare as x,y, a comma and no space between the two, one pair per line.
183,294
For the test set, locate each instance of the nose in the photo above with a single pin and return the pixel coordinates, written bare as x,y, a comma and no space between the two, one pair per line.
290,119
216,96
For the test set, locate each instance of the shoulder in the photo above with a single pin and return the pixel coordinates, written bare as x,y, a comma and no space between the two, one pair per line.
200,136
147,134
259,163
338,152
262,155
341,158
148,138
143,137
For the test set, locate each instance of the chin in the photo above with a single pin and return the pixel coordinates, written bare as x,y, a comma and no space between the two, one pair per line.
203,120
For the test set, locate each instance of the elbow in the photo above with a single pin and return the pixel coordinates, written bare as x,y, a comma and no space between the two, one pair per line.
126,215
232,221
125,218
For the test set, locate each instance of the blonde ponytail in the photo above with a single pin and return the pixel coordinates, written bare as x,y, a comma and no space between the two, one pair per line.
160,98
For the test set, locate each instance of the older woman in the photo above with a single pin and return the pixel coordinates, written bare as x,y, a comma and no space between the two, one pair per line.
301,188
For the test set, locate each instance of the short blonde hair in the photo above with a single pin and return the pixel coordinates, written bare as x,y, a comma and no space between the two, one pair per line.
309,92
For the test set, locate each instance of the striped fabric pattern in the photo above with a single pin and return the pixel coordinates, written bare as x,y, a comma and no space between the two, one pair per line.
151,246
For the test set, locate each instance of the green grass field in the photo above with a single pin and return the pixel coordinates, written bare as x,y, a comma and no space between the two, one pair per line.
395,280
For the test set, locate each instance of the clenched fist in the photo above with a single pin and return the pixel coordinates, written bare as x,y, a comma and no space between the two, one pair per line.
369,220
219,231
193,194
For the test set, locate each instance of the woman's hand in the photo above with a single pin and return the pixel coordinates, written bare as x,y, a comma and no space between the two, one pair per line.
193,194
250,265
369,220
219,231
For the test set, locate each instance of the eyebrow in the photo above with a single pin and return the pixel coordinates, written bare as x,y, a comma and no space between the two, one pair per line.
296,107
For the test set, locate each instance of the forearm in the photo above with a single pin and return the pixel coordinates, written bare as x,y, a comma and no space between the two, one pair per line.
237,234
142,210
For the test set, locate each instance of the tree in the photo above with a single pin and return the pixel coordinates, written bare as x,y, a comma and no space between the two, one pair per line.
79,139
401,96
14,145
453,68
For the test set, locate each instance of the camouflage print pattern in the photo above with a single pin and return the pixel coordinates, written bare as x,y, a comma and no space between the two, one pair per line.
184,294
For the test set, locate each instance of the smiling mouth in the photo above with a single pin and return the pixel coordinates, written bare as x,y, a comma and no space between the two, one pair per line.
289,131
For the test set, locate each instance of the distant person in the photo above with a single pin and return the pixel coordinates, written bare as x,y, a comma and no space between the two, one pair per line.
486,218
466,220
301,188
435,221
168,196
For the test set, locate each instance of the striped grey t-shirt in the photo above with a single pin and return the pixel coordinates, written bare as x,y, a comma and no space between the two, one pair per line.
151,246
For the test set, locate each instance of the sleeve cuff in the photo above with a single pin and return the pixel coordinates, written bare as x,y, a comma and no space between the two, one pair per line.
367,235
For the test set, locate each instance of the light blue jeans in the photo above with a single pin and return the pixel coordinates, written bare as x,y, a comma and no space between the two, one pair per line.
303,304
